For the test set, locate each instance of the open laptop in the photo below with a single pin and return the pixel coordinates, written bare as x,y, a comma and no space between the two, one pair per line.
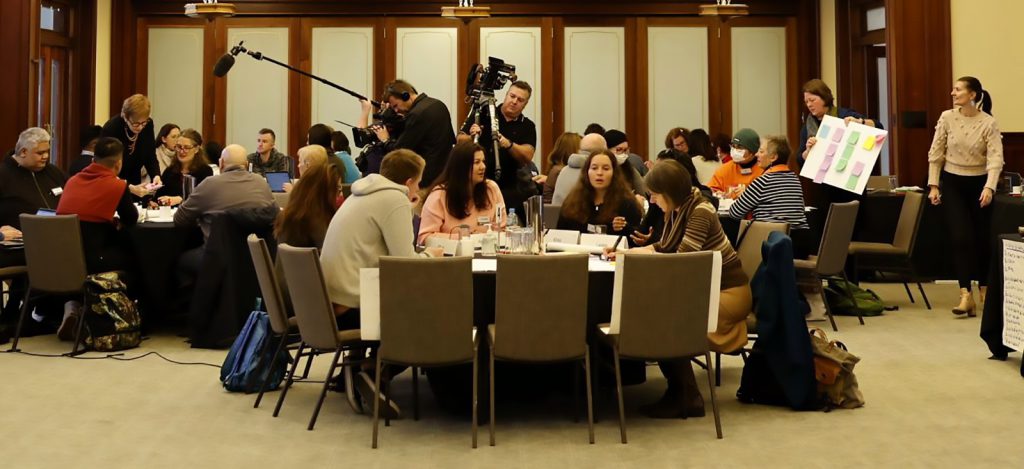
277,180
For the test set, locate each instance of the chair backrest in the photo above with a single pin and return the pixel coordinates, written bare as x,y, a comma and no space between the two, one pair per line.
878,183
426,310
665,299
53,253
281,198
313,311
910,220
540,311
270,287
755,233
835,240
551,213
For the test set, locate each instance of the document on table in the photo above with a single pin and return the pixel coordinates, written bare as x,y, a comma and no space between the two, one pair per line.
1013,294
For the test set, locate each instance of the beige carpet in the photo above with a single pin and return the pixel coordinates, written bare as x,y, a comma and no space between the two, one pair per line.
933,400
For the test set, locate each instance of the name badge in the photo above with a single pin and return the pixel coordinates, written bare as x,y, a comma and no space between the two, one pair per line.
746,170
57,191
483,221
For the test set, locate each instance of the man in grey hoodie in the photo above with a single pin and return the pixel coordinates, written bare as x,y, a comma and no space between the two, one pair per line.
375,221
570,175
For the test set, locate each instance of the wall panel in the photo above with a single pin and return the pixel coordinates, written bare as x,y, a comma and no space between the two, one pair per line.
175,76
759,91
677,89
522,48
595,77
428,58
352,69
257,92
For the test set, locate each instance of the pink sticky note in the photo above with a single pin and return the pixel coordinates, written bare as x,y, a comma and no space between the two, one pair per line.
831,150
879,139
820,177
825,164
858,167
838,135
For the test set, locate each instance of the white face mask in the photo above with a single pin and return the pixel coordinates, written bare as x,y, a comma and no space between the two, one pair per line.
621,158
738,155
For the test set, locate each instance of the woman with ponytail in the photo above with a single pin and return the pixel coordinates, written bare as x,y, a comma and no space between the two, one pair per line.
965,161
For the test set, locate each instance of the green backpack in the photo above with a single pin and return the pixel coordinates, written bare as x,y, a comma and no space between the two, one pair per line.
838,295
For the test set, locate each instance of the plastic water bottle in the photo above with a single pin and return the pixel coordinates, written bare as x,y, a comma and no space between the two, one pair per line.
513,220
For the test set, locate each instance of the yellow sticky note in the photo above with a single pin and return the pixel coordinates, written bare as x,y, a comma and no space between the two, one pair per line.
869,143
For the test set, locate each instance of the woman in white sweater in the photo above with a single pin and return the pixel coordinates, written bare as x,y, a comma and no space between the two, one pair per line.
965,161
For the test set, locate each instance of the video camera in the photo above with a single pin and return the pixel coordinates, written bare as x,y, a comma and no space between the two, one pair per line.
488,79
394,122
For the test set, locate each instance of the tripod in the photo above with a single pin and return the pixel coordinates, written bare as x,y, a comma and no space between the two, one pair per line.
487,100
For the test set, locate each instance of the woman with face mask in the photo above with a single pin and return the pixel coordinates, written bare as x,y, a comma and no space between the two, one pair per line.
730,179
965,161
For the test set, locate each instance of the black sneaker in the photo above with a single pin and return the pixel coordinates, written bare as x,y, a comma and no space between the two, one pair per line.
366,391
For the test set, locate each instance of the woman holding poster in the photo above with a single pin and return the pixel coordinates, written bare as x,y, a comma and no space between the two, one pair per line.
965,161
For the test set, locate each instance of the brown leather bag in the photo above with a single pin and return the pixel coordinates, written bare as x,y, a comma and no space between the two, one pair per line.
833,369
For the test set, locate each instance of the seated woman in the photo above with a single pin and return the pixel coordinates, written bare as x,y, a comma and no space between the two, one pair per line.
692,225
567,144
776,196
460,196
191,160
311,205
309,156
601,202
342,150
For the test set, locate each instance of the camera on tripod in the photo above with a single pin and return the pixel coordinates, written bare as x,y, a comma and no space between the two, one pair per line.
486,80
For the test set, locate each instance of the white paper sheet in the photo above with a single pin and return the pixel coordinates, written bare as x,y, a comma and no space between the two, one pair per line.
613,326
566,247
1013,294
485,265
844,155
562,236
369,304
716,291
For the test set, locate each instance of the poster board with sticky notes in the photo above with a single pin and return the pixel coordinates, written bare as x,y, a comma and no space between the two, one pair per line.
844,154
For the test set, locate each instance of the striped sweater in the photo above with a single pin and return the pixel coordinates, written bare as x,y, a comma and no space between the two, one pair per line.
775,196
694,226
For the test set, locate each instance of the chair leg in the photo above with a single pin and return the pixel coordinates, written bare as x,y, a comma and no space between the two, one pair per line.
909,294
376,401
590,395
490,358
476,392
926,302
415,395
576,394
21,320
718,368
828,308
618,393
81,327
350,394
860,317
291,378
273,361
309,363
714,400
323,392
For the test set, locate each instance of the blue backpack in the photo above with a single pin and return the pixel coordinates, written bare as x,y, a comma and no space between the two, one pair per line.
250,358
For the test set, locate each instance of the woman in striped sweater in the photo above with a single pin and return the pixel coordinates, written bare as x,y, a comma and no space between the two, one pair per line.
691,224
776,195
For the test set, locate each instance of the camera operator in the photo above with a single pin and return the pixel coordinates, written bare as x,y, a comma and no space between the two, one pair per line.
428,127
516,143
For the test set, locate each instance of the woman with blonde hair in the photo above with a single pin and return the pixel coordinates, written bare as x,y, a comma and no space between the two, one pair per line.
134,128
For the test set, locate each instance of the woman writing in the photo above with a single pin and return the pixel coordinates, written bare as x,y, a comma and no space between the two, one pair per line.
964,164
191,160
461,195
692,225
601,202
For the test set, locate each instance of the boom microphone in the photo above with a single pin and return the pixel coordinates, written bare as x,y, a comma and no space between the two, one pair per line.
226,61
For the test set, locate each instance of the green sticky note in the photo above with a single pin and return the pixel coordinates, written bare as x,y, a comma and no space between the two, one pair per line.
851,183
848,152
841,165
854,136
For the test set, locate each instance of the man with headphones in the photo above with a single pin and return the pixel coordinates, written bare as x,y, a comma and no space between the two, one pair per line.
428,127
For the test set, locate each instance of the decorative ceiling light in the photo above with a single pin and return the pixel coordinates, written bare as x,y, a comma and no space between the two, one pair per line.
209,9
724,9
465,11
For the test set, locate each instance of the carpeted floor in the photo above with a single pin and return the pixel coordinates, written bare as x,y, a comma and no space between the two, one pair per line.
933,400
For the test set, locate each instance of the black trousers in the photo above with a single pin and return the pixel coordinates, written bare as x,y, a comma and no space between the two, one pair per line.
968,225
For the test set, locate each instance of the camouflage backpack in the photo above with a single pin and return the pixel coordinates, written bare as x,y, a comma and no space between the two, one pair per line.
112,321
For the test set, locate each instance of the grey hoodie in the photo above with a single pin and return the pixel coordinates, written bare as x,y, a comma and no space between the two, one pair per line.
375,221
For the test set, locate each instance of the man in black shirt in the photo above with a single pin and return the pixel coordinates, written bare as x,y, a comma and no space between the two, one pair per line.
517,140
428,128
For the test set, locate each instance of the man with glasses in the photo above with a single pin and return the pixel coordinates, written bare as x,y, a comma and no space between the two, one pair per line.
267,159
134,129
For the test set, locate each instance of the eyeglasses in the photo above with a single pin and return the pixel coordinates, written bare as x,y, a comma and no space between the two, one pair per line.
137,124
181,148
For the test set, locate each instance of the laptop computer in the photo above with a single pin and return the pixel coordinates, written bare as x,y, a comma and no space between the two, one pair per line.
277,180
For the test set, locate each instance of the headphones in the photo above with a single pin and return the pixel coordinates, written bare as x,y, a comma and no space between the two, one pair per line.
404,95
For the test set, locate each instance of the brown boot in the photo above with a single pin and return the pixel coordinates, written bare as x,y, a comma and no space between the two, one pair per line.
966,305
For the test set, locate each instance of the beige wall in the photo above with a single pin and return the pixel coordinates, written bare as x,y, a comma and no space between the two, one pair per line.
828,44
102,61
987,44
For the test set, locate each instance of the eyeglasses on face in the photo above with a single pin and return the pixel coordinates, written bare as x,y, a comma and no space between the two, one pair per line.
183,148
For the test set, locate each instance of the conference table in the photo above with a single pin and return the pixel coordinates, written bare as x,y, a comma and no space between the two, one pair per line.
451,386
157,245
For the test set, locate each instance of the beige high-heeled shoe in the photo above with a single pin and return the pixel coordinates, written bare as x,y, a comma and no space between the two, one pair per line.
982,291
966,305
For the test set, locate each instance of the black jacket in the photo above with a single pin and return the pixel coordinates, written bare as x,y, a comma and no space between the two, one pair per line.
227,288
24,191
144,153
428,132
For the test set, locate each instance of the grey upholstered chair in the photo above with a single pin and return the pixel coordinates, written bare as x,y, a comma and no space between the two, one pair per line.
831,259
